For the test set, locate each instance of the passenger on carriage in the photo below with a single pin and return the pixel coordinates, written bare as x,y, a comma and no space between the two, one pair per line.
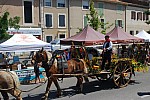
107,52
82,53
73,53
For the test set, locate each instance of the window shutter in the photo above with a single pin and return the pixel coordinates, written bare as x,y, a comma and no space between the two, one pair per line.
85,21
122,23
100,6
116,22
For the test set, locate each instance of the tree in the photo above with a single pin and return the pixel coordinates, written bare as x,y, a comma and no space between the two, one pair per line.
148,21
93,19
6,22
147,13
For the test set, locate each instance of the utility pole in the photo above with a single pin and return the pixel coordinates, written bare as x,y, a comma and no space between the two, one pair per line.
41,18
68,18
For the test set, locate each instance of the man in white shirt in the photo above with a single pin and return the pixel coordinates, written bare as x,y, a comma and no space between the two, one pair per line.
106,55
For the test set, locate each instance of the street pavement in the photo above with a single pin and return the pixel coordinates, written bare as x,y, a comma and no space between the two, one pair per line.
138,89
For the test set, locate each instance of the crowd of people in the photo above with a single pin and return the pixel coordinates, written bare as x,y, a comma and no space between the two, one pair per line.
139,52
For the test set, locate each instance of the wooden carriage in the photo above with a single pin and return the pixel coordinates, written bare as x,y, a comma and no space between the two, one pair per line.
121,69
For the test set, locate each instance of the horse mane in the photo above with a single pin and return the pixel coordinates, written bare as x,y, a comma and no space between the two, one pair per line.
49,59
49,55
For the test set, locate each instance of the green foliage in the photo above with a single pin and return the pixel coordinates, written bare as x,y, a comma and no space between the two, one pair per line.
93,19
6,22
106,27
80,29
147,22
148,31
148,13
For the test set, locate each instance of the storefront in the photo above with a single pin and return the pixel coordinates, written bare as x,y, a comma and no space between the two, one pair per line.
37,32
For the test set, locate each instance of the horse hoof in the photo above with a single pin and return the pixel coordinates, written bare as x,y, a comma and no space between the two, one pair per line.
78,91
59,94
44,98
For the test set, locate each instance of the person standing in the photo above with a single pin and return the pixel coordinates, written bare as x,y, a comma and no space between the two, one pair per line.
31,54
106,54
37,72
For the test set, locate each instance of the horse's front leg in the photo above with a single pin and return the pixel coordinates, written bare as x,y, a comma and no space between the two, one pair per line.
57,86
45,97
79,84
5,95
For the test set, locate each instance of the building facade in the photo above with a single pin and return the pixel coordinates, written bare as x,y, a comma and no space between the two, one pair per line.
136,18
28,11
62,18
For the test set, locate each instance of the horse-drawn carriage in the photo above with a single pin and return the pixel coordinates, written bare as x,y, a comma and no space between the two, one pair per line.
121,69
57,65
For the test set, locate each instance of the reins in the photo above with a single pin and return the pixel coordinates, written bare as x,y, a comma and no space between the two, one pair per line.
35,87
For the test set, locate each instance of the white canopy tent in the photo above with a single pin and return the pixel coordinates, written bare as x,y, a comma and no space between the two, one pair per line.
144,35
23,43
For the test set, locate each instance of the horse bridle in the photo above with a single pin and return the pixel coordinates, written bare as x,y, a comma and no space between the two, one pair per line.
45,61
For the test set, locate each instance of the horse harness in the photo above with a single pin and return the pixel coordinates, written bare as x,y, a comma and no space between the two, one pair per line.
47,63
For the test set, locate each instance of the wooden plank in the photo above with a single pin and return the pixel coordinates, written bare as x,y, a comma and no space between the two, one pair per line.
81,74
104,72
67,74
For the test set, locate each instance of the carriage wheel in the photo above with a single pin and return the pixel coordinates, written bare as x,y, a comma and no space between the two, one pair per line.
122,74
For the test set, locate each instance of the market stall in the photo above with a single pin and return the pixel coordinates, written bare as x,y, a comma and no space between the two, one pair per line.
118,35
23,43
144,35
88,36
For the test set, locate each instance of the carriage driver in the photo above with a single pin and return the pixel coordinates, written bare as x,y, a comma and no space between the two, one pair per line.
106,54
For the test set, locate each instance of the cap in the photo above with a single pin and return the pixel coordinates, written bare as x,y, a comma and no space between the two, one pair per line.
107,36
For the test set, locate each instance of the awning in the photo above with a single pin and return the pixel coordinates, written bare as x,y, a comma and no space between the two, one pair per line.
33,31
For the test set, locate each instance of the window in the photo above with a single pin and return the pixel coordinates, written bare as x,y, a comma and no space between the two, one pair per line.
61,20
137,32
62,36
47,3
48,20
85,21
85,4
139,16
48,39
132,32
119,23
28,12
100,8
60,3
133,15
102,21
147,17
144,16
119,8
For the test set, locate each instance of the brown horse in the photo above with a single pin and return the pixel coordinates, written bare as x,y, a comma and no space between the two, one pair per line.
51,68
9,83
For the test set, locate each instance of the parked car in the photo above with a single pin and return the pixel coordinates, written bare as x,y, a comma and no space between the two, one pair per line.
56,45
